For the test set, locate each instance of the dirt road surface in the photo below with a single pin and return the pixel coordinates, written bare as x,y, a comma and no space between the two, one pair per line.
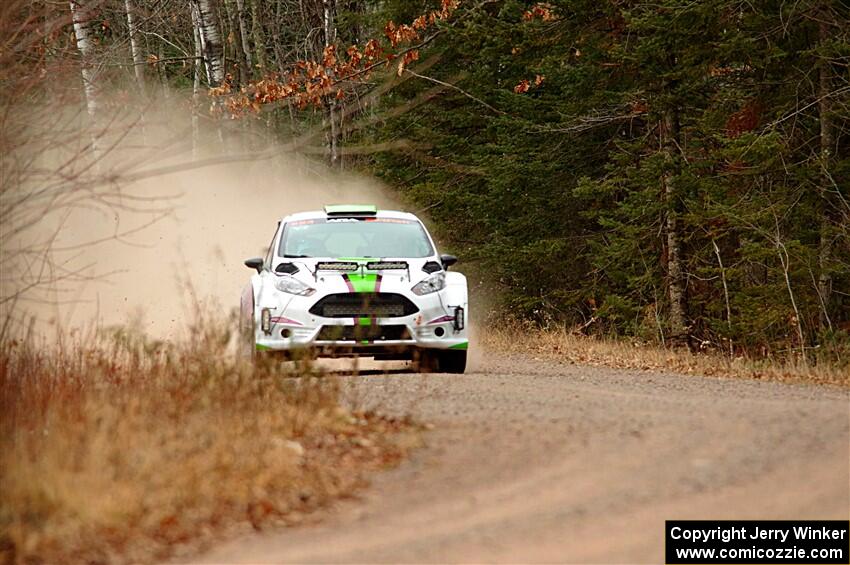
537,461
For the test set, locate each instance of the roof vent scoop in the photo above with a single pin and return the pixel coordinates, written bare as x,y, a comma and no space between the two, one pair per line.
351,210
432,267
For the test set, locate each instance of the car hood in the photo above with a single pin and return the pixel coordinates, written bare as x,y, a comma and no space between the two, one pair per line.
368,276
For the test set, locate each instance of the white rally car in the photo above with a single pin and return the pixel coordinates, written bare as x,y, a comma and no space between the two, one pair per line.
357,281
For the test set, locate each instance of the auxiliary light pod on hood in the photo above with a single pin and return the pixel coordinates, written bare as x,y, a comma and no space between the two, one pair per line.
346,266
387,265
338,266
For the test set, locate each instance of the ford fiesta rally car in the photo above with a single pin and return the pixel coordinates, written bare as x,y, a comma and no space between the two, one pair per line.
357,281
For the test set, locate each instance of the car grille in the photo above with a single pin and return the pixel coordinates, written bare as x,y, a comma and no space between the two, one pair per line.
360,333
364,305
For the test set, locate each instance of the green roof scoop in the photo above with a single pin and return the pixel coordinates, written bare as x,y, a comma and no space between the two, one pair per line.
351,210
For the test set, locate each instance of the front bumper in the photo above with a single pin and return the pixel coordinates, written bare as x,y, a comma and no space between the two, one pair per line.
292,327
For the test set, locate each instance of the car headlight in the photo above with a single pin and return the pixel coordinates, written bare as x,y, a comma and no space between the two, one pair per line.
435,282
291,285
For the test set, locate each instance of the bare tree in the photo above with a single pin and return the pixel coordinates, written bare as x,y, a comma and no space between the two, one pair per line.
135,47
258,35
48,168
827,141
675,271
211,43
196,80
243,34
81,20
329,26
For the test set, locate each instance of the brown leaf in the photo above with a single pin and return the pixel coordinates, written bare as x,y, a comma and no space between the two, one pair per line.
390,32
329,56
373,49
540,10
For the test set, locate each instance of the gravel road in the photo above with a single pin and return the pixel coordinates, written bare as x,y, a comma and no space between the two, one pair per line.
538,461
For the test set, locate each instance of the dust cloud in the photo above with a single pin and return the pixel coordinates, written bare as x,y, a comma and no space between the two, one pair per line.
181,219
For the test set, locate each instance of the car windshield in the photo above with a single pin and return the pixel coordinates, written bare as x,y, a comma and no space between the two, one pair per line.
355,237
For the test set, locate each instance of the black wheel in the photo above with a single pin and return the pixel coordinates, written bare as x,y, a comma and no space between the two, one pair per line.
425,361
452,361
246,347
440,361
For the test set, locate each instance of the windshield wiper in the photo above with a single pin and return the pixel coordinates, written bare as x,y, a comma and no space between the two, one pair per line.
290,256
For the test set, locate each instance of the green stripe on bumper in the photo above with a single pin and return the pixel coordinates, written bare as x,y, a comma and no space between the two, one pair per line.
464,345
261,347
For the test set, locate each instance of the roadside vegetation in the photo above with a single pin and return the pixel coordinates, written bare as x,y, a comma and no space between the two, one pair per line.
115,448
576,348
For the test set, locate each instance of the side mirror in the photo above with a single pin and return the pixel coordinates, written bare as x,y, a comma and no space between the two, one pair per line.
448,261
255,263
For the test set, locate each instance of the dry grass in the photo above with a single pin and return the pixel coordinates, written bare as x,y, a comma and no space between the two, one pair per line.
124,450
564,345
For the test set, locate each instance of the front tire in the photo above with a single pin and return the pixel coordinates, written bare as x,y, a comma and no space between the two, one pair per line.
247,348
452,361
441,361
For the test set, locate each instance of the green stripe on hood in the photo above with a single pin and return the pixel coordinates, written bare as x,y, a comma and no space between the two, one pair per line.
363,283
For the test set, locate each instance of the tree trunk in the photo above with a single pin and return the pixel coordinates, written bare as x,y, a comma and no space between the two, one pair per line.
827,141
675,271
329,9
259,39
211,43
135,48
80,18
785,261
162,73
243,35
276,36
196,83
231,31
